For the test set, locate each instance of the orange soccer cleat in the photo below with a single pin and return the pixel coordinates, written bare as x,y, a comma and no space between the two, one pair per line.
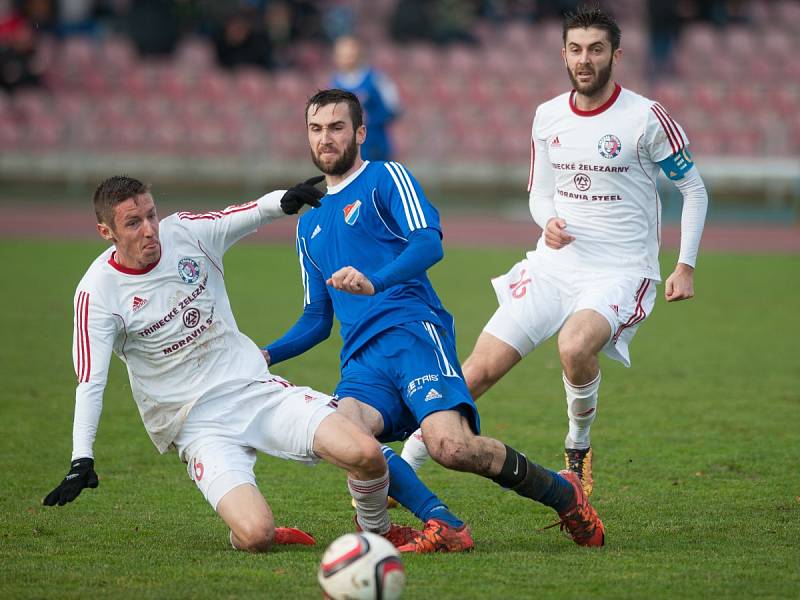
438,536
290,535
398,535
580,520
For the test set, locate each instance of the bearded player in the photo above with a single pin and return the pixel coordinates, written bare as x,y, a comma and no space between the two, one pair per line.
595,154
363,255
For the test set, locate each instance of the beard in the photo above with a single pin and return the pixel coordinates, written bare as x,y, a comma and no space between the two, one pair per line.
343,164
603,75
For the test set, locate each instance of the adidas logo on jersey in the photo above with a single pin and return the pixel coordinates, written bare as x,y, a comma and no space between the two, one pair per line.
433,394
555,143
138,303
314,233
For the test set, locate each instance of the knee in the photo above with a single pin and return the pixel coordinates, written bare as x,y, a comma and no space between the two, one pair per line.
367,456
450,451
252,536
575,351
478,375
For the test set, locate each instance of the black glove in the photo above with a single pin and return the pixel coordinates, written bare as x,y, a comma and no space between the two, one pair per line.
81,475
300,194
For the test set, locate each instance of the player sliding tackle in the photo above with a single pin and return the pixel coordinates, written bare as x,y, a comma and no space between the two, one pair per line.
157,299
596,153
363,256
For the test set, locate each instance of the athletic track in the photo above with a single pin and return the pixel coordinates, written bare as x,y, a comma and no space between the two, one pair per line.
57,222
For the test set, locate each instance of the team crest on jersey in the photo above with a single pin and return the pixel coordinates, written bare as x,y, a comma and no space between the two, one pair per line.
609,146
351,212
189,270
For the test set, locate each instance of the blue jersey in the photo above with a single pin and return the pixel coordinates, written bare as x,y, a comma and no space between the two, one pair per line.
364,222
378,97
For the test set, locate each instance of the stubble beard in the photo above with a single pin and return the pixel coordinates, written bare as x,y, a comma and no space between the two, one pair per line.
343,164
592,88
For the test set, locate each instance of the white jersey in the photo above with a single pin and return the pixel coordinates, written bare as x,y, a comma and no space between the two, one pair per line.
597,170
171,324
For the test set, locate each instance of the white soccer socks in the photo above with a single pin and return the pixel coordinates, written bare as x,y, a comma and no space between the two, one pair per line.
581,410
414,451
370,497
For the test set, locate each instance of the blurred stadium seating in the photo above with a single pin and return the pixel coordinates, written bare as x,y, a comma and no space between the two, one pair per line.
736,90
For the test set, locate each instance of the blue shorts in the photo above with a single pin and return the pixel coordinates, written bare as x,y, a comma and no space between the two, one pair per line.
406,373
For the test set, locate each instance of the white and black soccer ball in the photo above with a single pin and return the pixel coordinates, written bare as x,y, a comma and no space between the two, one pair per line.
361,566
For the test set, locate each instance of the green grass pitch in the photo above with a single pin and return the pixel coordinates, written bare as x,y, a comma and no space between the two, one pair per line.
696,466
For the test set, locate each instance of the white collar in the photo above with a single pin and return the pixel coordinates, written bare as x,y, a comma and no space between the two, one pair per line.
335,189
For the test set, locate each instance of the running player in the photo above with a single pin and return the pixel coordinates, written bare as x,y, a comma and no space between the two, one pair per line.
363,254
595,154
157,299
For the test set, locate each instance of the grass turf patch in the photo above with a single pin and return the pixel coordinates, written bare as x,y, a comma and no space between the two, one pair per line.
695,467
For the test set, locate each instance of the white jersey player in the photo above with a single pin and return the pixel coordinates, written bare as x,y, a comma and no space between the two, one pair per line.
595,155
157,300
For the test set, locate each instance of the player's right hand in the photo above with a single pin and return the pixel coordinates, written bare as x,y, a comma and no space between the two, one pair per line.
300,194
81,475
555,235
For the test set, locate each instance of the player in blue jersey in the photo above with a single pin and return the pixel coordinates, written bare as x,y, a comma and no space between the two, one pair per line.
376,92
364,254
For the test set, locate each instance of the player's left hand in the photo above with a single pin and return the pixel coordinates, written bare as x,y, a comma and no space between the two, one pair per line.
350,279
300,194
680,285
81,475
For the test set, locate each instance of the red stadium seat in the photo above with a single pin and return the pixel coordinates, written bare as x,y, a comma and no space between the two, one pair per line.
32,104
117,55
11,133
252,86
195,55
45,132
740,41
423,59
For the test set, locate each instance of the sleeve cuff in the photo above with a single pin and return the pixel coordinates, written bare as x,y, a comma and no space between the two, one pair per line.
270,204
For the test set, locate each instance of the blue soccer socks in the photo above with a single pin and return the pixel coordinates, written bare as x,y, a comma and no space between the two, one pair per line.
408,490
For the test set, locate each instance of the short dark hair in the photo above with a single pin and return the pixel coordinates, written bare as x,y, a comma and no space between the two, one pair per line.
334,96
591,15
113,191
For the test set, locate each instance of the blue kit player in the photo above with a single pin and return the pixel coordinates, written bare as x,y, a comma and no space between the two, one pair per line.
364,253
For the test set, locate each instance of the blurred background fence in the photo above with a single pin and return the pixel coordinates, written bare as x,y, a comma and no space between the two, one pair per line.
207,93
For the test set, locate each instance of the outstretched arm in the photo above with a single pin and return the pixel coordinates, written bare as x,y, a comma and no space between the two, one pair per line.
313,327
220,229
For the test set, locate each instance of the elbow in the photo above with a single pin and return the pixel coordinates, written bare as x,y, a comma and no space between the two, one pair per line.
437,253
327,327
435,249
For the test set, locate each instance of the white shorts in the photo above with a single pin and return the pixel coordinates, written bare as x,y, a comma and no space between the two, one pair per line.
535,302
220,437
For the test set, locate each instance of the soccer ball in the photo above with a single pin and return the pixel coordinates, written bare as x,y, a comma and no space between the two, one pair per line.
361,566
